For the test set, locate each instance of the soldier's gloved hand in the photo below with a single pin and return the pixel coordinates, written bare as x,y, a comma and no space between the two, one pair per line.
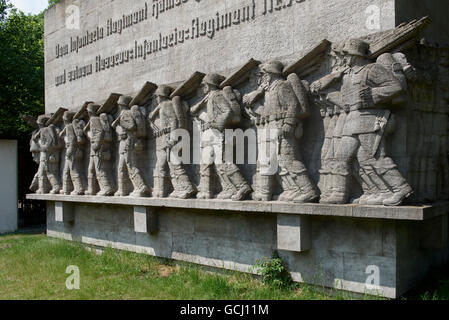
366,97
171,143
316,87
287,129
247,100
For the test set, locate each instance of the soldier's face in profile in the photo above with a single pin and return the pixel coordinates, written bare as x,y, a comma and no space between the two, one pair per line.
205,87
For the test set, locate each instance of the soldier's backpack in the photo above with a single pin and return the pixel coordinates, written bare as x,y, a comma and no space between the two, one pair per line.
302,95
179,109
139,120
105,121
78,126
127,120
233,97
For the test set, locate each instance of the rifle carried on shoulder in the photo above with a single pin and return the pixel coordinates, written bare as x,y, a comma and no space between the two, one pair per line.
32,121
110,106
56,117
144,95
241,75
398,37
82,112
188,87
309,59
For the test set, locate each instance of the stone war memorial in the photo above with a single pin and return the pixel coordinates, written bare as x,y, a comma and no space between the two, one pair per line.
219,132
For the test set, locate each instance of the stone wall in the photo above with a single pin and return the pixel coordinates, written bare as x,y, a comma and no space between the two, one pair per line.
343,252
438,10
283,33
342,62
8,186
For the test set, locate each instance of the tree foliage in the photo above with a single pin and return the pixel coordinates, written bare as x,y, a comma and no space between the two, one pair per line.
51,3
21,69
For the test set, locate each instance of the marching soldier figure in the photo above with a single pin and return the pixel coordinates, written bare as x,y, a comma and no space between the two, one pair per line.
367,92
325,88
131,130
172,116
286,104
50,149
100,136
36,152
223,112
75,141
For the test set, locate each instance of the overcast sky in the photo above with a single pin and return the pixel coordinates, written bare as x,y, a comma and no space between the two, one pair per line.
30,6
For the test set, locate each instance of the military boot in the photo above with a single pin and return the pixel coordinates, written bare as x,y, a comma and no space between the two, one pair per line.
401,189
289,189
186,188
90,187
140,187
159,187
263,189
65,187
106,189
379,190
227,192
307,192
324,185
121,189
379,198
229,188
56,187
34,184
339,191
77,186
42,189
239,184
204,188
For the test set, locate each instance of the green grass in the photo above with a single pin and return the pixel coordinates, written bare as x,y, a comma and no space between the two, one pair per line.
33,267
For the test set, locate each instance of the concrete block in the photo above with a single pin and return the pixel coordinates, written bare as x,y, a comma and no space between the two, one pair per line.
8,186
145,220
64,212
293,233
373,256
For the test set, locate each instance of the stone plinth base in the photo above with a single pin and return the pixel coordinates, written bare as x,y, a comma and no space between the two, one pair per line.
376,250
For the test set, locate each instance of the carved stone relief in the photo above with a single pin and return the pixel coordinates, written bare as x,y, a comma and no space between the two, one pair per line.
367,92
222,111
280,124
101,138
75,141
46,140
131,131
172,115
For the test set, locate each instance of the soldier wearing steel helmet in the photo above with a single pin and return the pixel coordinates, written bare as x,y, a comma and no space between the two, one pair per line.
101,140
223,111
75,141
324,88
47,138
131,130
286,104
367,93
172,116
